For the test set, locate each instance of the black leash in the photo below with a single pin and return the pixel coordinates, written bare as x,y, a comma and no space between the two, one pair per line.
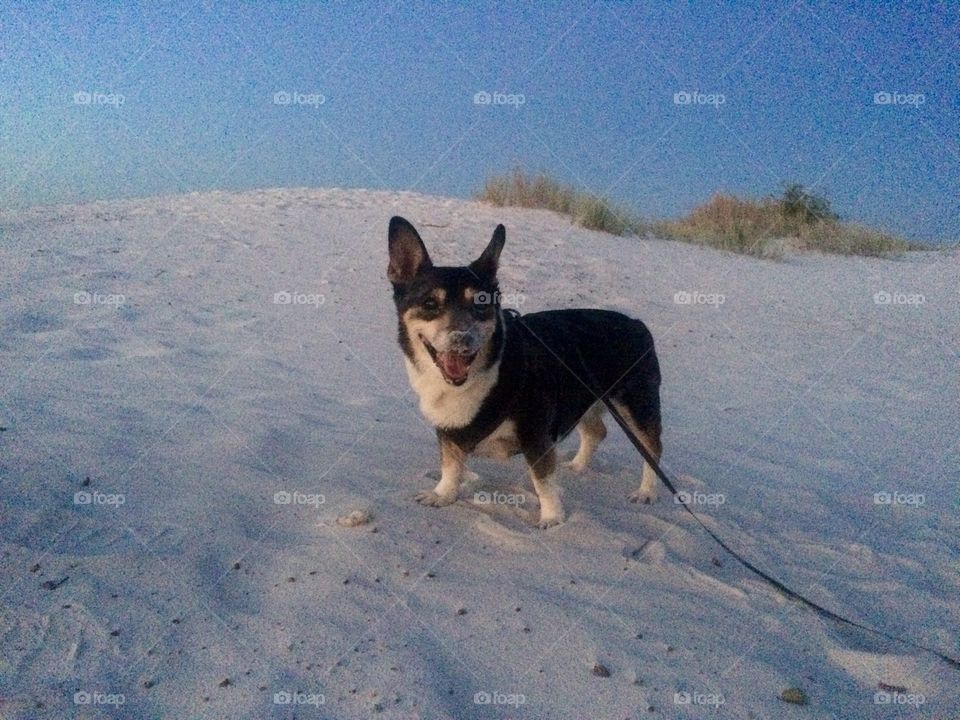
793,594
819,609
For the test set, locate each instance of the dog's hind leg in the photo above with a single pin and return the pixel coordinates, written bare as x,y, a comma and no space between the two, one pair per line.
592,431
542,459
647,430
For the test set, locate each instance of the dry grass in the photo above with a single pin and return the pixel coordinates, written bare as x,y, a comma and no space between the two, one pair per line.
593,212
767,227
729,223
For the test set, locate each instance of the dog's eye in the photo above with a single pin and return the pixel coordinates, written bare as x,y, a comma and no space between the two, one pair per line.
430,305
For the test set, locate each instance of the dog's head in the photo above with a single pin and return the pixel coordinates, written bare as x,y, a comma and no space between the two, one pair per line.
449,316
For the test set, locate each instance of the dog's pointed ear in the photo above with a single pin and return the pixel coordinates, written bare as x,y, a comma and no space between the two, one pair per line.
408,254
489,261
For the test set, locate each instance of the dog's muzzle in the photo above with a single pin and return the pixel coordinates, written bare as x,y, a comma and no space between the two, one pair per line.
460,350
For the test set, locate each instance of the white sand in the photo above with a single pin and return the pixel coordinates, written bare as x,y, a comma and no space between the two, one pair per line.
198,399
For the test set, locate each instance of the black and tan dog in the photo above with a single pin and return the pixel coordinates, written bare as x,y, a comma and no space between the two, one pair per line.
497,384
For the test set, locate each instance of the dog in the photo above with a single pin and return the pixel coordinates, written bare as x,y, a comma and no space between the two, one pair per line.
497,384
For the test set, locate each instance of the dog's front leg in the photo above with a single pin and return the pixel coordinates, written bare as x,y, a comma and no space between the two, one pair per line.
451,473
542,459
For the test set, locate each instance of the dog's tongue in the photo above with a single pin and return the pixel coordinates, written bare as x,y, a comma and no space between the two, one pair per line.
454,365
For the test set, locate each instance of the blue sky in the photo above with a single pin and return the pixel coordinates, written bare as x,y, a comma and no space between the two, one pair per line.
184,97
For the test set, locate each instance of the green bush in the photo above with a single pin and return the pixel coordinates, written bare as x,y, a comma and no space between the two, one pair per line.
804,207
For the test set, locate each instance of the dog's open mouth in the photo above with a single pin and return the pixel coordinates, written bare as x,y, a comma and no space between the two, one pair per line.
454,366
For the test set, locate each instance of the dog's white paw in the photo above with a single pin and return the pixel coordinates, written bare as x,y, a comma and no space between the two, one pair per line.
646,497
549,521
431,499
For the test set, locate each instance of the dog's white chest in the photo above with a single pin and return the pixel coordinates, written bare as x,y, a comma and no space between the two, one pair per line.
446,406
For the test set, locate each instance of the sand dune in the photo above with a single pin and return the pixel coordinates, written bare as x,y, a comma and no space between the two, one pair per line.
194,388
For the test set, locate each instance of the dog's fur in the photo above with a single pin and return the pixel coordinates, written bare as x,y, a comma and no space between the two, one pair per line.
496,384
